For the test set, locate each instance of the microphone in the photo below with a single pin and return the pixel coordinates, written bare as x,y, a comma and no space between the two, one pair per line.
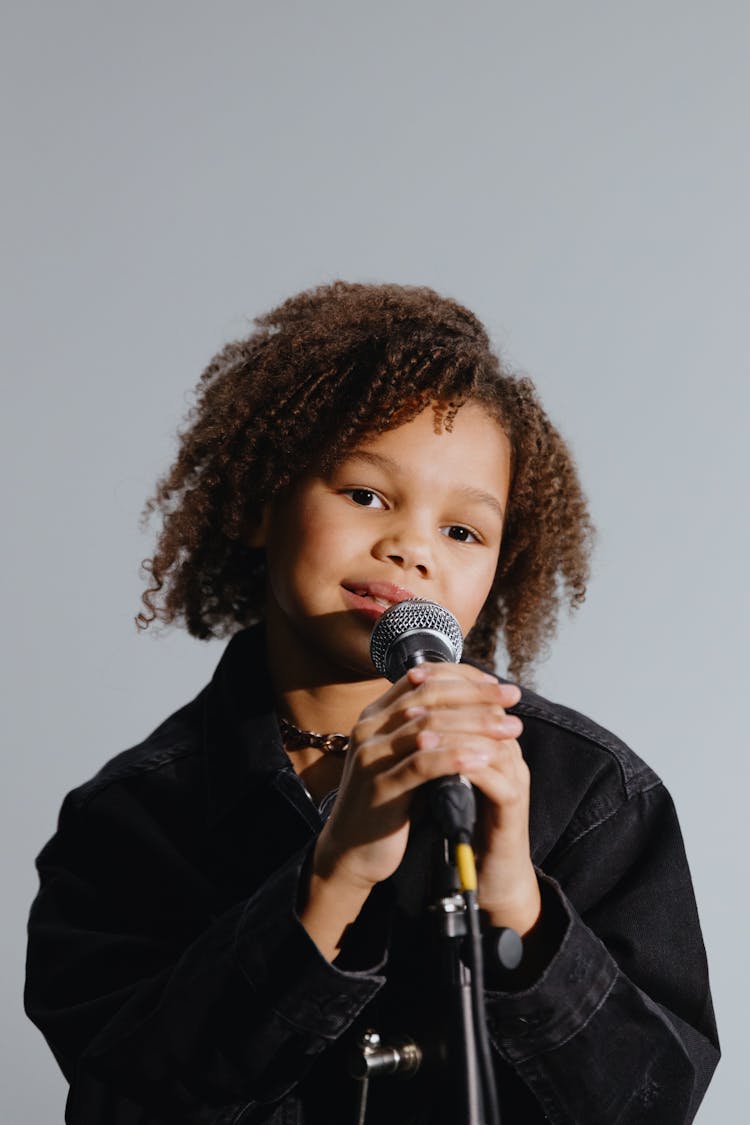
413,632
418,631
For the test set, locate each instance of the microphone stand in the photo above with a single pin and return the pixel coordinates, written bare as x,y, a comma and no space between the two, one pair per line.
466,1048
457,915
450,914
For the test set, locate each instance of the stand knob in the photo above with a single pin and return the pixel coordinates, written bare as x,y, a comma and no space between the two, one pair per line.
503,948
373,1059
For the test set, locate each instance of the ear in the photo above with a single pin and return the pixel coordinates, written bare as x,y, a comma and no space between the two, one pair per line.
256,529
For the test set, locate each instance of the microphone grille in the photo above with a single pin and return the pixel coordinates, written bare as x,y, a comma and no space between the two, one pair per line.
413,615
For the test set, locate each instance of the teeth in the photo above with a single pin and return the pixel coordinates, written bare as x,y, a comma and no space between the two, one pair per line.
363,593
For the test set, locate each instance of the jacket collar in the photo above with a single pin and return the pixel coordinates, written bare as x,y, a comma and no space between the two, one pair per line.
241,740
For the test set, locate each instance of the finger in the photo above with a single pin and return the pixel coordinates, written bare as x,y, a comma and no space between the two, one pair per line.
384,702
429,685
510,693
453,713
455,690
435,756
424,671
469,719
388,704
505,779
399,735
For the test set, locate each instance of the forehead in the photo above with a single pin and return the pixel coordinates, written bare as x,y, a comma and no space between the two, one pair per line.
439,428
474,449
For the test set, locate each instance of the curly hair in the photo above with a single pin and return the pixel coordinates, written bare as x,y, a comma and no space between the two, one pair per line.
320,372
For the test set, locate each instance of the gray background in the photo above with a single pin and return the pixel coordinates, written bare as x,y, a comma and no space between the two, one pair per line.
576,173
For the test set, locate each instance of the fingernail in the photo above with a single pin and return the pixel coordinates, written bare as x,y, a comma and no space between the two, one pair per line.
417,675
428,739
489,677
415,712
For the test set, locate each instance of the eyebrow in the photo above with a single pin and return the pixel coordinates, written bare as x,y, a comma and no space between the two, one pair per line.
467,491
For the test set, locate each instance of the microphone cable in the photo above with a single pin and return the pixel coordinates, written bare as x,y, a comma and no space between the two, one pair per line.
467,876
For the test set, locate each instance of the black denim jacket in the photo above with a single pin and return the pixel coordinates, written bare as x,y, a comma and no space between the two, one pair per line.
171,976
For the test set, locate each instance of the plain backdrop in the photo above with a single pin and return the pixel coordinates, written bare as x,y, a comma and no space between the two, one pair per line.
578,174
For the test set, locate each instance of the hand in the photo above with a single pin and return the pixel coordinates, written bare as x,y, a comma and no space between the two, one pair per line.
508,888
485,740
438,719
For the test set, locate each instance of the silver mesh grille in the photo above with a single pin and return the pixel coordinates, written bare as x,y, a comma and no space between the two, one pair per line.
413,615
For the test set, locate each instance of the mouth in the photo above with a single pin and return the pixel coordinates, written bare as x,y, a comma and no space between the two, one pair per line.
374,598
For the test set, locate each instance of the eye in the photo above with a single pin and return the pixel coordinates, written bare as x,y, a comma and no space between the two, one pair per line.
364,497
460,533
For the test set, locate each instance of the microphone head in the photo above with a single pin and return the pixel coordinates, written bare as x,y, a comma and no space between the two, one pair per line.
412,631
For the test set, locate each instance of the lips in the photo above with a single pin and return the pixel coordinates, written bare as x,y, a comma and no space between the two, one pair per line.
374,598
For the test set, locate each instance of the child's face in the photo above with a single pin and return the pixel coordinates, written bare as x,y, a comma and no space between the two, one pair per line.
409,513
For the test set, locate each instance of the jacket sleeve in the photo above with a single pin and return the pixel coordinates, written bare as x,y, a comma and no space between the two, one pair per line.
198,1019
619,1027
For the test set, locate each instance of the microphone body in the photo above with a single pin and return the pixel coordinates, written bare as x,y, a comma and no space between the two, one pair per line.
413,632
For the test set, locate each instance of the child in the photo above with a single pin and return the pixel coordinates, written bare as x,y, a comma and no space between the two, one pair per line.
227,906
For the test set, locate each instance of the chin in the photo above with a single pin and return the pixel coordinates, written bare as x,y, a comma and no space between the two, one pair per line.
356,666
340,655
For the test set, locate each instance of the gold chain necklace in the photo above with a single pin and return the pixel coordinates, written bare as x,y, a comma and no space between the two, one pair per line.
296,739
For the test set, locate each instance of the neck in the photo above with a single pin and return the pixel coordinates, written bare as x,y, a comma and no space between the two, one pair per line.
310,692
329,708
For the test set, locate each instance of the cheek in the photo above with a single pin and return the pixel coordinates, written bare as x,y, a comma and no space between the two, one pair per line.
472,591
302,551
318,539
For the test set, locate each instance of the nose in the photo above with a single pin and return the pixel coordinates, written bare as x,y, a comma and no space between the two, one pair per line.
407,547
